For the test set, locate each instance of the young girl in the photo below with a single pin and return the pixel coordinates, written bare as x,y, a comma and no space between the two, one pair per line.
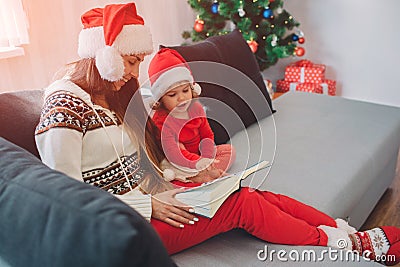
186,137
80,132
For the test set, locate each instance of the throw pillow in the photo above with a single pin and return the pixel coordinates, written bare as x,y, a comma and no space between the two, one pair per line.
240,86
50,219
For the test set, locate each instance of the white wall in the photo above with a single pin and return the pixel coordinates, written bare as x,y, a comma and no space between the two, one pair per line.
358,40
54,29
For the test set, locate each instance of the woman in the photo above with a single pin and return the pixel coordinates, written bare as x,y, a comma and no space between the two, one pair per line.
81,134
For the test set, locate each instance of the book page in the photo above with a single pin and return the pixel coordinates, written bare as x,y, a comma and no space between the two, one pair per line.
208,197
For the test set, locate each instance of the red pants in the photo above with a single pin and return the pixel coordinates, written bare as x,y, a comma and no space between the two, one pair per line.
268,216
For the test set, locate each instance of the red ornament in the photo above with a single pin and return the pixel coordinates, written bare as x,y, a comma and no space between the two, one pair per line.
253,45
301,40
299,51
198,25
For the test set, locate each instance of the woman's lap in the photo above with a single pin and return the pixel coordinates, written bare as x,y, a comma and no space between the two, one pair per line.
271,217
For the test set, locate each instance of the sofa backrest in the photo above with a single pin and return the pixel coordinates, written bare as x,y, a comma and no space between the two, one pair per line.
19,115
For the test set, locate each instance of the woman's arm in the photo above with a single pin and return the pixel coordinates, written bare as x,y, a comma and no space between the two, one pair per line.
60,148
162,206
139,202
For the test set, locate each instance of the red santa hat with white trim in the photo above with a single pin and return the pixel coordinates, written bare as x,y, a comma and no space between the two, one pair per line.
167,68
109,33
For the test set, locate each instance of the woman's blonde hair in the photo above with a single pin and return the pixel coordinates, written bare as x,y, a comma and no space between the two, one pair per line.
129,108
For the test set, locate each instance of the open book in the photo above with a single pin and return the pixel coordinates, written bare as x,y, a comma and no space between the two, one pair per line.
208,197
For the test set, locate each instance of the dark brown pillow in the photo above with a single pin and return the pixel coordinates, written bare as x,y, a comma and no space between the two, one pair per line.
19,115
246,96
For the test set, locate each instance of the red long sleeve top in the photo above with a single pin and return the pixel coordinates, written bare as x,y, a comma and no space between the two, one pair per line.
194,134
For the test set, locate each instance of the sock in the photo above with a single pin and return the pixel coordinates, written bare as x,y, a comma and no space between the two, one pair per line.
344,225
337,238
383,244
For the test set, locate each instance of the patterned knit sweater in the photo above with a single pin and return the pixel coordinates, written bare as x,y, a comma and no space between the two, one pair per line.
71,139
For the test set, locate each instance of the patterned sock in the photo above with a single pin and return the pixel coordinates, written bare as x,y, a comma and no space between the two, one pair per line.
380,244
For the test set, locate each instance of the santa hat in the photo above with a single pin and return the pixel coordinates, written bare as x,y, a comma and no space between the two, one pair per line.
110,32
167,68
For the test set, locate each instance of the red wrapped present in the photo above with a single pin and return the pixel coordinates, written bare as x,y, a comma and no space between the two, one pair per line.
304,71
326,87
282,86
331,84
310,88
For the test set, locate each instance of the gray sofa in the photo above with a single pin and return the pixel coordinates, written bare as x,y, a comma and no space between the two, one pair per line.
335,154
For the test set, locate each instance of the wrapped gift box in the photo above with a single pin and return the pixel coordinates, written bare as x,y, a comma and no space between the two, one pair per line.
304,71
325,87
282,86
331,86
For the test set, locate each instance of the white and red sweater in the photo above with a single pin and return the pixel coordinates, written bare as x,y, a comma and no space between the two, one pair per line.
71,139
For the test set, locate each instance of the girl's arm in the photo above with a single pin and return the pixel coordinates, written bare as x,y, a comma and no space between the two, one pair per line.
207,145
174,152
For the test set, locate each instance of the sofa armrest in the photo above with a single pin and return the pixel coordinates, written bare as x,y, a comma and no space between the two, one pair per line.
49,219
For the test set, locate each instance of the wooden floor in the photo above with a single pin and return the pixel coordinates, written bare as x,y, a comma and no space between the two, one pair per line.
387,210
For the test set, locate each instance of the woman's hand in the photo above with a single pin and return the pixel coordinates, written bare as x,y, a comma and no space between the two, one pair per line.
167,209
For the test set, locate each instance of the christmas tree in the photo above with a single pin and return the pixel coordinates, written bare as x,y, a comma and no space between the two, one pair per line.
270,31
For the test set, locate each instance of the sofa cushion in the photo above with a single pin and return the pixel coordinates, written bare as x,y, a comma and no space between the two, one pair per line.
19,115
248,99
336,154
49,219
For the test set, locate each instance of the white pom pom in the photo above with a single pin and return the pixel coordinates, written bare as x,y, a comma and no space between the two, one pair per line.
168,175
110,64
197,88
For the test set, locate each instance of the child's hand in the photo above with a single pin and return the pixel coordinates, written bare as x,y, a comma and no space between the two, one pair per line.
207,176
204,163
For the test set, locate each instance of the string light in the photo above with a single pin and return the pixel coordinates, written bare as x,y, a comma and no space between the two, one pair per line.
241,11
